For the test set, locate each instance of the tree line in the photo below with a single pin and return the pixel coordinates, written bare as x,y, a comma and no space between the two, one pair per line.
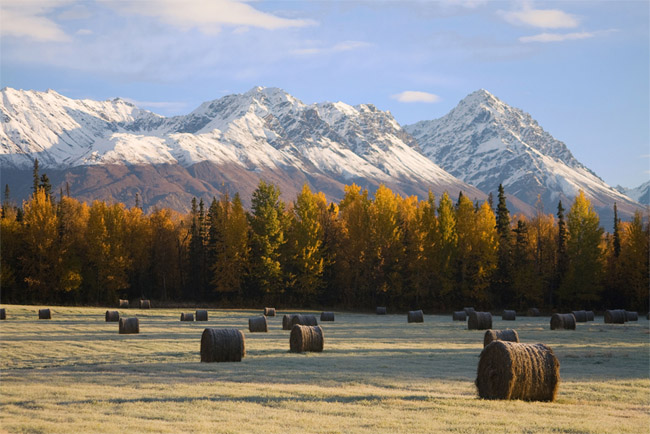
365,251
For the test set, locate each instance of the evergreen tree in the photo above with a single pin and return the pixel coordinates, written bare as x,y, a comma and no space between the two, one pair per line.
562,258
196,253
36,177
616,235
45,185
503,279
527,286
446,253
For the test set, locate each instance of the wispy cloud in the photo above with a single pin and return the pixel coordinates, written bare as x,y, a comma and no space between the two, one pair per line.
556,37
28,20
206,16
416,96
337,48
542,18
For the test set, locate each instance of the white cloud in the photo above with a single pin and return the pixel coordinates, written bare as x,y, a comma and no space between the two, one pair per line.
29,20
556,37
77,12
206,16
543,18
416,96
337,48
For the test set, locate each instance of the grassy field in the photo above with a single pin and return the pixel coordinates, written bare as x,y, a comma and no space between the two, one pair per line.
75,373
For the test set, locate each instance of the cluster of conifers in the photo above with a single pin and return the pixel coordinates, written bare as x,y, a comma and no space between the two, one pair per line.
507,368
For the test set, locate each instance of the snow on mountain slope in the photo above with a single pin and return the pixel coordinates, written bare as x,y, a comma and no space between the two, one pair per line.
641,193
485,142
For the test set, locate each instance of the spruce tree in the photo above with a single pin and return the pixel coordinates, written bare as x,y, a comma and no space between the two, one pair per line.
562,260
617,234
36,177
503,278
46,186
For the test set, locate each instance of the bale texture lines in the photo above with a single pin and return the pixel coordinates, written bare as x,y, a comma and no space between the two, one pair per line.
286,321
112,316
129,326
44,314
509,315
222,345
327,316
563,321
187,316
269,311
415,316
590,315
631,316
124,304
309,320
479,321
258,324
202,315
581,315
500,335
615,316
306,338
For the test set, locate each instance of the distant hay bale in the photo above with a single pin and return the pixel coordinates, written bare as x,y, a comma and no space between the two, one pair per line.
479,321
3,314
269,311
258,324
511,370
112,316
581,315
286,322
563,321
222,345
509,315
306,338
500,335
533,311
201,315
309,320
381,310
615,316
327,316
631,316
468,310
124,304
44,314
415,316
129,326
590,315
187,316
459,315
145,304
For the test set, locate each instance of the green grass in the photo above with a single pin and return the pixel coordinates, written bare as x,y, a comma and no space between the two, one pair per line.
75,373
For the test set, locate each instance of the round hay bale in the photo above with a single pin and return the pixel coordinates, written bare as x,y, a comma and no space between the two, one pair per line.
258,324
563,321
112,316
3,314
222,345
286,322
509,315
306,338
201,315
145,304
381,310
124,304
512,370
590,315
44,314
327,316
269,311
615,316
459,315
533,311
479,321
415,316
500,335
631,316
581,315
187,316
309,320
468,310
129,326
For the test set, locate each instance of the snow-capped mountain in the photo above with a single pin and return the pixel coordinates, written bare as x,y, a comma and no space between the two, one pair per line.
641,193
485,142
112,149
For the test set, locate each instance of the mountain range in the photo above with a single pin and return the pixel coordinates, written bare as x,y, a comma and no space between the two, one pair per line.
111,150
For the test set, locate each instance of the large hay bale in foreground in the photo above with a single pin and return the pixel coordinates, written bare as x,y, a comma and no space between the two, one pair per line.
3,314
327,316
615,316
415,316
306,338
511,370
533,311
112,316
381,310
563,321
44,314
479,321
124,304
590,315
309,320
269,311
258,324
222,345
129,326
187,316
631,316
468,310
201,315
500,335
286,321
145,304
459,315
581,315
509,315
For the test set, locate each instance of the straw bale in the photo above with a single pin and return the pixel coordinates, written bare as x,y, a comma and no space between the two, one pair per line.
615,316
44,314
459,315
306,338
258,324
415,316
222,345
509,315
129,326
112,316
202,315
327,316
500,335
187,316
479,321
563,321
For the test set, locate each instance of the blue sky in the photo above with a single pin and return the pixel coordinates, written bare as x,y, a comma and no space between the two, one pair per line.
580,68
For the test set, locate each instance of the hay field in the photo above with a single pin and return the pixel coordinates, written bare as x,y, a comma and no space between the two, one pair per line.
377,374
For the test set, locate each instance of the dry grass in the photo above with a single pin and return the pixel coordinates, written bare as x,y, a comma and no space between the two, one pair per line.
74,373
